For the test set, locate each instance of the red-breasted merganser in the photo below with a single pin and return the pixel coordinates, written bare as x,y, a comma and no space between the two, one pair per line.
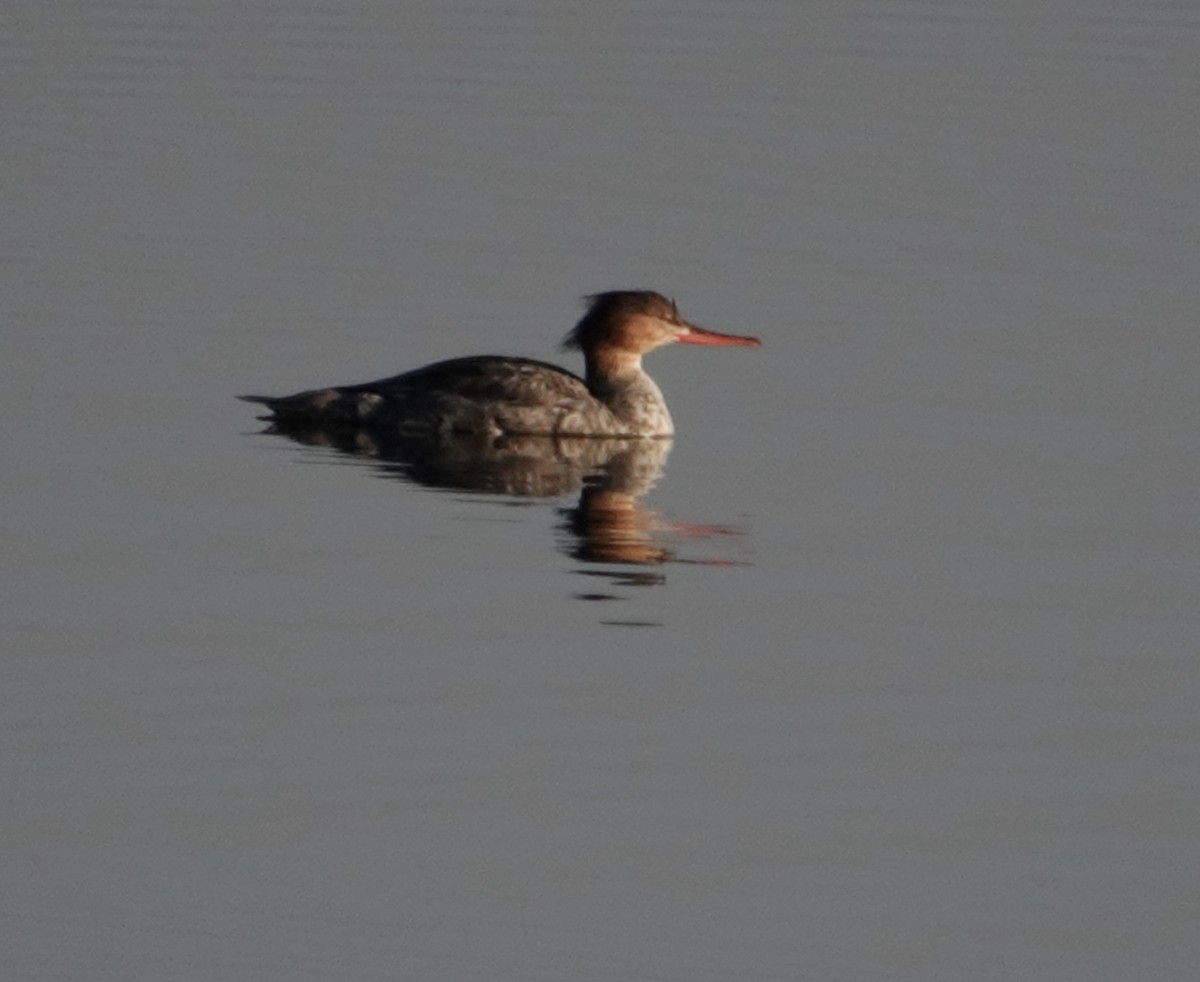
509,396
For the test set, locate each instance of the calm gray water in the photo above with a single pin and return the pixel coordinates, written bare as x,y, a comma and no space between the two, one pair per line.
890,674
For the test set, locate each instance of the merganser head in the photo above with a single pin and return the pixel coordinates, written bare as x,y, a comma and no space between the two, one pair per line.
637,321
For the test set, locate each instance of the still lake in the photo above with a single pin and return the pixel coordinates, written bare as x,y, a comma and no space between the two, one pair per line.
885,668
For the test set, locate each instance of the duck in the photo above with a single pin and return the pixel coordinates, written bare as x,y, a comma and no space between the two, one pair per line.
496,395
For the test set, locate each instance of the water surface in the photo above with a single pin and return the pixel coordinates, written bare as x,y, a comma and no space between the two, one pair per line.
887,670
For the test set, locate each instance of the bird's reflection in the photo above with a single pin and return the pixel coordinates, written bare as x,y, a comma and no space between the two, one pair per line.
608,525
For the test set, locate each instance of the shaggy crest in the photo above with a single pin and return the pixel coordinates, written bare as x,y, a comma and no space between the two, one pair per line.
603,308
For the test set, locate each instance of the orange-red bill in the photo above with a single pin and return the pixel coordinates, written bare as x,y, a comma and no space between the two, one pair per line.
698,335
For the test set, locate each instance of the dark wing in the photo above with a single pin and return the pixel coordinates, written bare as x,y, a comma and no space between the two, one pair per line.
484,379
453,392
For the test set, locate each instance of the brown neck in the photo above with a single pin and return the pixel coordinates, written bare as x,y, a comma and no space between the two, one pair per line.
609,365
